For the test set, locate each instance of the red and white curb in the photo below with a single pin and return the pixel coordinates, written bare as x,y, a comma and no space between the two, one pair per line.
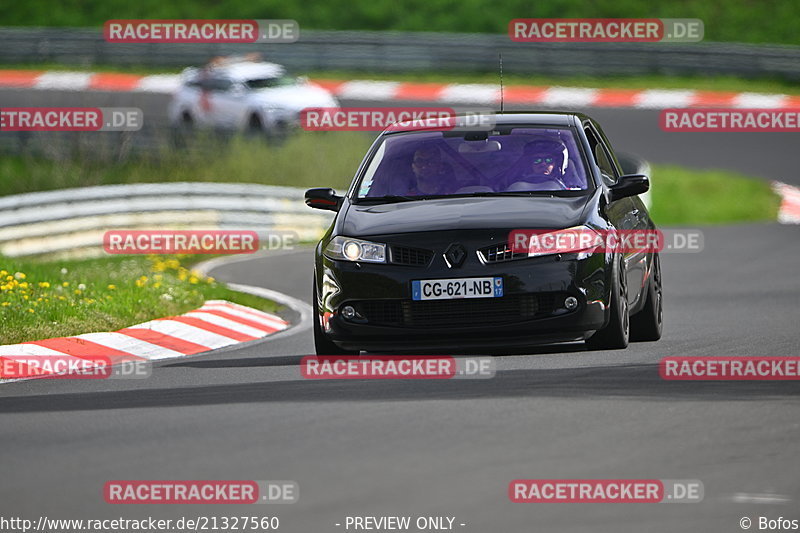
789,212
218,323
453,93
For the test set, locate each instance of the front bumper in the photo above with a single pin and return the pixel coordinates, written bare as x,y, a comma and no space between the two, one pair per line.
531,311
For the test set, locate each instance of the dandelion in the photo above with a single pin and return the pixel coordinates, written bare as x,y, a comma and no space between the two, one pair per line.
77,291
5,304
64,270
167,297
31,310
44,285
111,287
20,275
65,284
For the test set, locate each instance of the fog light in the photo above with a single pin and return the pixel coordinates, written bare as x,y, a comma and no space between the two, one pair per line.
571,303
348,312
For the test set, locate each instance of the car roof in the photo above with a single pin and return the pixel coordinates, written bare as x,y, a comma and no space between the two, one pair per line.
537,118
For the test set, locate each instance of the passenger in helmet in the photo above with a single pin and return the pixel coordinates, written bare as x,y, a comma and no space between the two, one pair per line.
541,167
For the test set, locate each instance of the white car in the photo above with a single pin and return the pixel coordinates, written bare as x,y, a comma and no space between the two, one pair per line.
243,94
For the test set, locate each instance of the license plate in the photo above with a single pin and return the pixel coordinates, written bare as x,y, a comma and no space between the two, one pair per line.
453,289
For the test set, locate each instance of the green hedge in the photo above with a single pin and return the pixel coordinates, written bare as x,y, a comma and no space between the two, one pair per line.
753,21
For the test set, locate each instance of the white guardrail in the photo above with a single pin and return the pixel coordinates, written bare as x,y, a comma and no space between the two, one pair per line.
70,223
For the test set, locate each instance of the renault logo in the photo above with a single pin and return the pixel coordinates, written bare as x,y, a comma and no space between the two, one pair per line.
455,255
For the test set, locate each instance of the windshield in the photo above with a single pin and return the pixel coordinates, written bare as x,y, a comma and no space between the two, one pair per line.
516,160
268,83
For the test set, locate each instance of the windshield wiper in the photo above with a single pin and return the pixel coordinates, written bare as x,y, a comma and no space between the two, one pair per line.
389,198
564,192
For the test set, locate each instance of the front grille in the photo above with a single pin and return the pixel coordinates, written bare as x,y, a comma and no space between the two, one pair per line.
403,255
463,312
499,253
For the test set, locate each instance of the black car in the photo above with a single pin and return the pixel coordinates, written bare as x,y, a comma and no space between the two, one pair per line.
419,255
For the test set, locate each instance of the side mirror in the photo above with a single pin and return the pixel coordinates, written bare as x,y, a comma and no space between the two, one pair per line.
629,185
323,198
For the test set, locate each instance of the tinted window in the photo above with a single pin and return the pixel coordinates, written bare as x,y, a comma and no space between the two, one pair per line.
518,159
601,157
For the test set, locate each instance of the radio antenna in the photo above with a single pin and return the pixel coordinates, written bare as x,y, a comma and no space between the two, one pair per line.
501,83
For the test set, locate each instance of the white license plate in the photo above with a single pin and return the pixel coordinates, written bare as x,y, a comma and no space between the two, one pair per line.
453,289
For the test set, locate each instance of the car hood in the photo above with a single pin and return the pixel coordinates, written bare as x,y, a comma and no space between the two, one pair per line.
464,213
296,97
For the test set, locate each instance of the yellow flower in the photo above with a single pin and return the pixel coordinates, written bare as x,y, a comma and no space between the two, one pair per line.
209,279
23,285
31,310
65,284
111,287
3,272
193,280
77,291
20,275
9,278
44,285
5,304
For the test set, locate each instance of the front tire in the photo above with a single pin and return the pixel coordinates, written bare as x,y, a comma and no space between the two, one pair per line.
647,324
322,344
616,334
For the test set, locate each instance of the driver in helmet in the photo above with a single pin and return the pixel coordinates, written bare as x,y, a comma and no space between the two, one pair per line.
544,161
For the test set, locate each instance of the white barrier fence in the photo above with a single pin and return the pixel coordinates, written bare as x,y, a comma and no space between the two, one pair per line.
70,223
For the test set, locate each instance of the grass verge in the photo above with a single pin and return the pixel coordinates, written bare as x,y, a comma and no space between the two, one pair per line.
39,300
310,159
682,196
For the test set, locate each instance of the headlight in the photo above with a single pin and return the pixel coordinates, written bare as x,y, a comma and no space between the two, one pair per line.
347,249
581,240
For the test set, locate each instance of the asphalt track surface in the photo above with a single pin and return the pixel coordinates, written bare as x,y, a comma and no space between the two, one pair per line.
451,448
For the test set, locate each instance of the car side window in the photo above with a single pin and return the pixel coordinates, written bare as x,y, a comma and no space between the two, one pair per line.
601,157
211,84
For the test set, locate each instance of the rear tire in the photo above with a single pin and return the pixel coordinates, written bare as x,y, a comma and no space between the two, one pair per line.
255,128
647,324
183,131
322,344
616,334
